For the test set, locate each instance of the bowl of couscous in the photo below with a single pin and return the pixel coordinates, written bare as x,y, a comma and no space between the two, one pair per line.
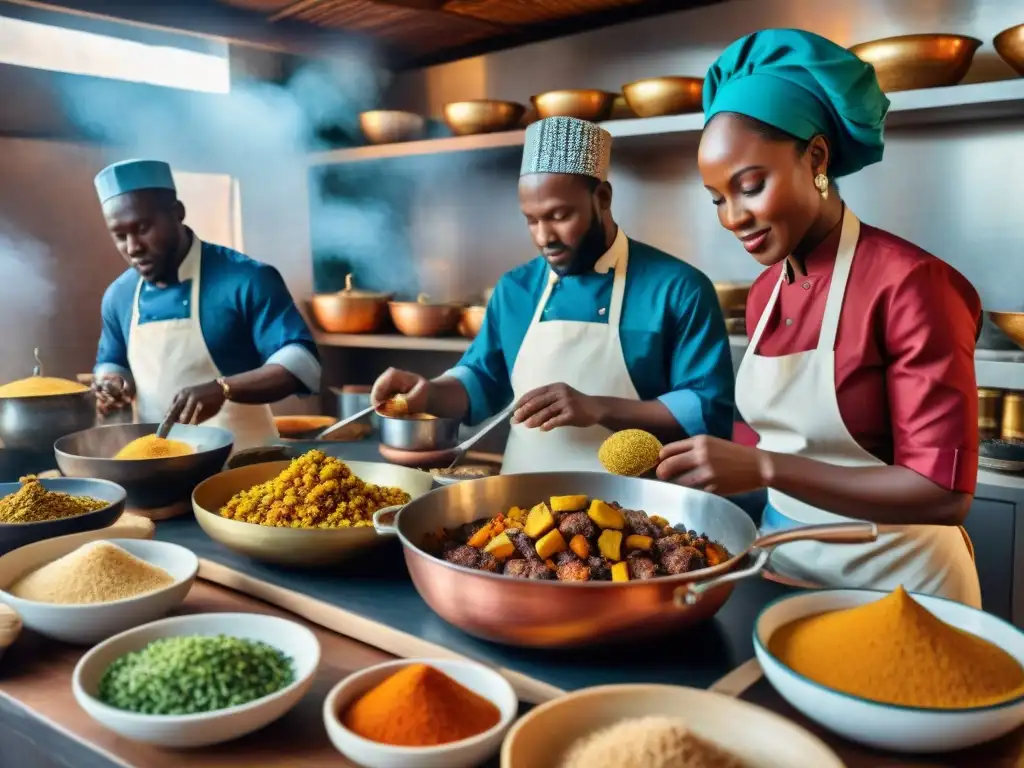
312,511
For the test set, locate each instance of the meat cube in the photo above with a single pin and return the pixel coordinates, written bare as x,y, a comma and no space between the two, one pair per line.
639,523
681,560
523,544
642,567
528,569
488,562
577,523
463,555
599,570
668,543
566,556
573,570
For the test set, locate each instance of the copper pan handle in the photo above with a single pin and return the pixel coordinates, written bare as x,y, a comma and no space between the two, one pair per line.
833,533
384,521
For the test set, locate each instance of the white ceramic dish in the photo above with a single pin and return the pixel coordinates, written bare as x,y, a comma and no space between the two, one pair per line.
199,730
889,727
467,753
90,623
761,739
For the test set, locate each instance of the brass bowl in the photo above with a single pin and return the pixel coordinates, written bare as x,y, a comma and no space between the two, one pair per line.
1010,323
621,109
732,297
293,546
585,104
665,95
472,321
423,319
388,126
909,62
467,118
1010,45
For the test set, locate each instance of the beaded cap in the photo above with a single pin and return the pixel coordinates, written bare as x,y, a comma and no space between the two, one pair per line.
567,145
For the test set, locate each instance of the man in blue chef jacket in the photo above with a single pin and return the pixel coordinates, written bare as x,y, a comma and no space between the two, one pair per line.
193,330
599,333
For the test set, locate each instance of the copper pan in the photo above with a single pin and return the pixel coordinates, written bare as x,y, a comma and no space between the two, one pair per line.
552,614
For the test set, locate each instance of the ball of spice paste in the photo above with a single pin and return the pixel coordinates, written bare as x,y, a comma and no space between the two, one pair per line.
630,453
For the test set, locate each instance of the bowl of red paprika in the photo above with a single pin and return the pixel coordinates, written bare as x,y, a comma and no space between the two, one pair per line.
420,713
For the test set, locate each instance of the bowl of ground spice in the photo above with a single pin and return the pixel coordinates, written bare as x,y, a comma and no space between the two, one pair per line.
82,594
198,679
34,509
895,671
420,713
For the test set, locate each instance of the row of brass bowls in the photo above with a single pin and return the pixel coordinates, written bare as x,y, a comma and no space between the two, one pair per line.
651,97
1010,45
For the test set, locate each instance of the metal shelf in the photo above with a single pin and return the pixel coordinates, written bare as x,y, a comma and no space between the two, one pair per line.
957,103
391,341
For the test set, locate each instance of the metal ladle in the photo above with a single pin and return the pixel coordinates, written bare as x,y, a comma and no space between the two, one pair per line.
462,448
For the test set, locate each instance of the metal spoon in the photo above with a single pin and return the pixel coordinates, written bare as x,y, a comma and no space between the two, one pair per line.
344,423
462,448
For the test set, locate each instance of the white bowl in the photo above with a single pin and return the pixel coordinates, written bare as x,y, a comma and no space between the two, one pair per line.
206,728
89,623
761,739
884,726
467,753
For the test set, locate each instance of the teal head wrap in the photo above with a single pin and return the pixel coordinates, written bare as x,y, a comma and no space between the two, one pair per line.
805,85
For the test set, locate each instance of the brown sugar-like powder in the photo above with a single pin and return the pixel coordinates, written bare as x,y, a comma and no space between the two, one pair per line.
97,572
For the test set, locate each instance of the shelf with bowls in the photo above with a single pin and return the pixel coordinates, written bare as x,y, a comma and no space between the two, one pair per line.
951,104
391,341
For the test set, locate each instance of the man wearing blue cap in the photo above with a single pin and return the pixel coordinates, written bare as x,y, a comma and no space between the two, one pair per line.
193,330
597,334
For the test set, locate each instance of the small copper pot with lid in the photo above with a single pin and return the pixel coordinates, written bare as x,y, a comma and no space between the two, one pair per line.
350,310
424,318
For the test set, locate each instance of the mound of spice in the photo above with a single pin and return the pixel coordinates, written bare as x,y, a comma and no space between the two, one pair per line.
41,386
153,447
895,651
420,706
314,491
195,673
97,572
648,742
32,503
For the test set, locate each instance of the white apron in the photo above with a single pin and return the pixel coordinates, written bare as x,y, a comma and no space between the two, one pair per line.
586,356
790,401
167,355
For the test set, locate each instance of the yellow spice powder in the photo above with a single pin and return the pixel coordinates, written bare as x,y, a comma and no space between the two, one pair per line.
41,386
32,503
153,447
97,572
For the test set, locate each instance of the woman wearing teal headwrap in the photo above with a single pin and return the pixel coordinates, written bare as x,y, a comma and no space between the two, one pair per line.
859,376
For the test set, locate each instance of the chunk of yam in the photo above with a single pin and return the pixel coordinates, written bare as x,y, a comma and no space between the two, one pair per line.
539,521
568,503
500,547
605,516
715,554
580,546
620,571
516,513
639,542
609,544
481,537
659,521
551,544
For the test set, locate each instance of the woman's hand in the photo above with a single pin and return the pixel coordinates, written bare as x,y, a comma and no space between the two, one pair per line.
714,465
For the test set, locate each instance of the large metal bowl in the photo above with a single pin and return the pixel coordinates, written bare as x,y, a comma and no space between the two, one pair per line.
412,434
14,535
1009,44
306,547
388,126
657,96
553,614
467,118
585,104
35,423
155,487
909,62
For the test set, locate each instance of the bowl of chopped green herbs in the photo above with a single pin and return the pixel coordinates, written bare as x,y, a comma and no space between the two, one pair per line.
196,680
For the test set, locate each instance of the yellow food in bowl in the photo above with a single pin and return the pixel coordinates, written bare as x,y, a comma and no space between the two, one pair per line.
41,386
896,651
153,447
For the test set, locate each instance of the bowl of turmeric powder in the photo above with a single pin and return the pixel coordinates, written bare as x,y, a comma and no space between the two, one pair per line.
420,713
38,410
157,474
895,671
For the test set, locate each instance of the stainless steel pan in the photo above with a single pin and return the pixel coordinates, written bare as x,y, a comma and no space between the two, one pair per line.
553,614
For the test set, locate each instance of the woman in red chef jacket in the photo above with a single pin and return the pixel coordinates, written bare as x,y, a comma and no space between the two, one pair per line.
859,377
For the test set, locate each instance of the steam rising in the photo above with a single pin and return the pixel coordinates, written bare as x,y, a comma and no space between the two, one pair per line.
27,296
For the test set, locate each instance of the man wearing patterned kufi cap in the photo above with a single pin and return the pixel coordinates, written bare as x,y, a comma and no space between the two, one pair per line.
597,334
193,331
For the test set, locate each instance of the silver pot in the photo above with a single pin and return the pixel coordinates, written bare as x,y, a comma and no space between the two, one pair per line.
35,423
410,434
553,614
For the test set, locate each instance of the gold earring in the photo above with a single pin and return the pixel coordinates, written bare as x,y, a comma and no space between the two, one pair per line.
821,182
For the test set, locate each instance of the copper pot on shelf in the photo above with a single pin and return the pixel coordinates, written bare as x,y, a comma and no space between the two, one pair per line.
990,413
350,310
1009,44
424,318
910,62
472,321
